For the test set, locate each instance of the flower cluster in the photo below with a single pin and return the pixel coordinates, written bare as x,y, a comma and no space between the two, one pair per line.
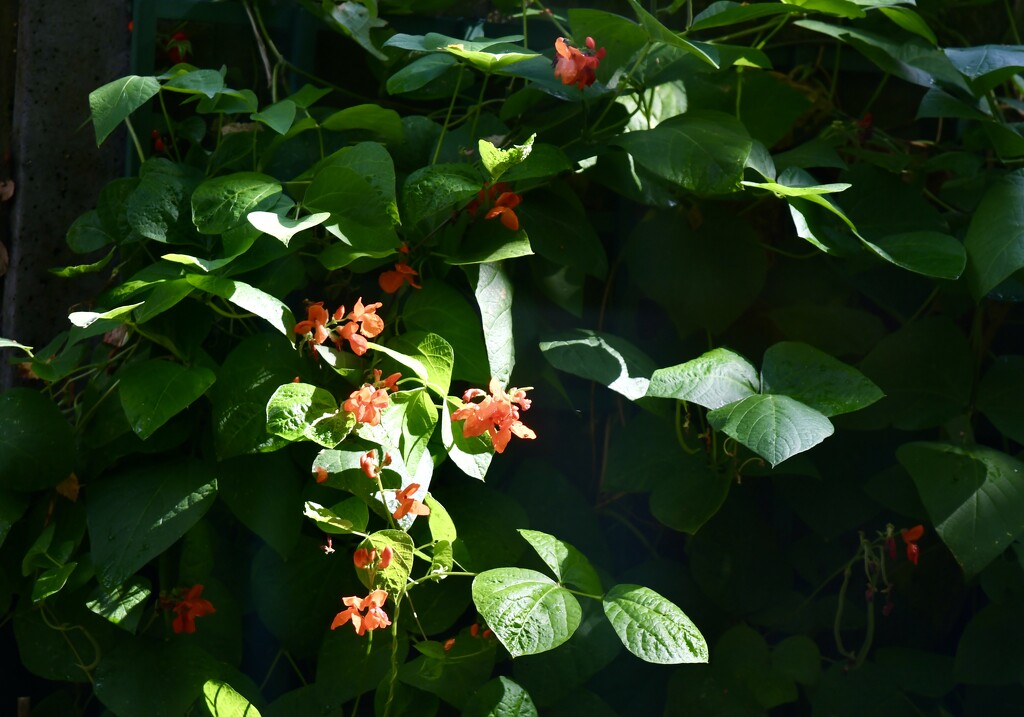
367,402
362,323
496,415
474,632
574,66
369,464
373,617
370,560
188,608
499,202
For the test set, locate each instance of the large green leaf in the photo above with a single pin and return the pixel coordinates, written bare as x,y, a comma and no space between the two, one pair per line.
298,411
568,564
278,116
995,237
222,203
394,577
419,73
139,513
712,380
689,493
498,161
703,151
974,497
223,701
528,611
374,118
115,101
37,449
437,188
159,208
251,299
194,82
774,427
659,33
435,355
250,375
987,66
607,359
561,231
441,309
264,493
360,215
284,228
1001,396
454,674
816,379
724,13
152,392
500,697
652,628
122,605
493,291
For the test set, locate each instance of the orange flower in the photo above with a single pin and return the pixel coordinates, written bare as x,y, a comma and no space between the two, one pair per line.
497,414
449,644
189,608
486,196
373,605
315,323
503,208
574,66
391,281
406,503
348,333
367,404
371,324
910,538
390,383
321,474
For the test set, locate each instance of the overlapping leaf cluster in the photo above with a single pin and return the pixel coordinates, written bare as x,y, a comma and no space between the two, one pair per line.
836,194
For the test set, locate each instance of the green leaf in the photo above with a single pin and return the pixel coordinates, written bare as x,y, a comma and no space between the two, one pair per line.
278,116
652,628
500,697
816,379
395,576
385,123
724,13
1001,395
284,228
995,237
407,425
139,513
925,252
85,319
498,161
112,103
298,411
326,519
88,233
493,291
987,653
70,271
839,8
607,359
490,60
361,215
689,494
712,380
782,190
152,392
561,231
249,298
488,241
52,581
911,22
442,528
974,497
37,449
568,564
437,188
797,658
122,605
528,612
659,33
12,344
702,151
356,21
372,162
435,355
419,73
222,701
222,203
196,82
472,455
441,309
987,66
774,427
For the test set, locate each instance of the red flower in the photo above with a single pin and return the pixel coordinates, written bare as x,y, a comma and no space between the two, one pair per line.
910,538
406,503
574,66
503,208
158,142
496,415
373,605
189,608
391,281
321,474
178,47
315,323
367,404
449,644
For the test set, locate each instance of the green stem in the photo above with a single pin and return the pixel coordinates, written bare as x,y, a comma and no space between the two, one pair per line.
582,594
875,94
135,140
298,672
781,23
679,430
393,676
749,31
270,670
621,84
847,571
448,117
380,487
479,108
85,419
170,127
1013,22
